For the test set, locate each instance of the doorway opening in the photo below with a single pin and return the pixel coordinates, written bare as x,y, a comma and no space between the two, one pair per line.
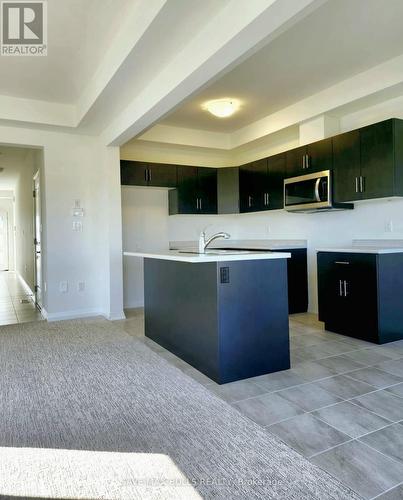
20,235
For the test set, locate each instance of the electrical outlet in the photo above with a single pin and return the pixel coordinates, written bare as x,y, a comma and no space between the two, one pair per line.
81,286
63,287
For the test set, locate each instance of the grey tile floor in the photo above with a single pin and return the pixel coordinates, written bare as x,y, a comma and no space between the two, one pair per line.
16,306
340,405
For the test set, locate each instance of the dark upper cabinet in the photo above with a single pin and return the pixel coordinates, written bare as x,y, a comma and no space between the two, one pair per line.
273,198
313,157
368,162
133,173
183,200
360,294
196,191
162,175
137,173
252,182
347,167
377,160
228,190
207,190
261,184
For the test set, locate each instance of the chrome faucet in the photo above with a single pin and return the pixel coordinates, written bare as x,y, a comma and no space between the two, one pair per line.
203,243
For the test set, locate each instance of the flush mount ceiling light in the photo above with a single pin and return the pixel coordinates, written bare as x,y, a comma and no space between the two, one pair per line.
222,107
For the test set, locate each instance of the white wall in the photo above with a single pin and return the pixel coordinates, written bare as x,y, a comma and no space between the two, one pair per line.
7,204
78,167
145,226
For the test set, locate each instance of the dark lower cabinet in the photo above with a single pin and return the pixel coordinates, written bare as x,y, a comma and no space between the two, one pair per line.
137,173
297,277
227,319
360,295
297,281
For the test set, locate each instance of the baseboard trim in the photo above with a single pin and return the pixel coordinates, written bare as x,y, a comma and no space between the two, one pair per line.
79,313
115,316
82,313
25,285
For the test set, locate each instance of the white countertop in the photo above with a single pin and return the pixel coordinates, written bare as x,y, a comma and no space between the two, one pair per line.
244,244
208,257
356,249
376,246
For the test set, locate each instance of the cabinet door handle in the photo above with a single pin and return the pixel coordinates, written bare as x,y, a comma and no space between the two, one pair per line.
344,262
146,174
362,184
303,162
340,288
345,288
200,203
307,161
149,175
197,203
356,185
249,201
267,199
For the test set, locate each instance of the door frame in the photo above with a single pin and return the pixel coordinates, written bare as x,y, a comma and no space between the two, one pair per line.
7,248
36,187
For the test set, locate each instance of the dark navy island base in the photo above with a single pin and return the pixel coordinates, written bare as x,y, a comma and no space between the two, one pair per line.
227,319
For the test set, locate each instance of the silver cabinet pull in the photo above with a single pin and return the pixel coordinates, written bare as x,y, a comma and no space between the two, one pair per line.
303,162
344,262
340,289
307,161
268,199
200,203
149,175
345,288
197,203
146,174
356,185
249,201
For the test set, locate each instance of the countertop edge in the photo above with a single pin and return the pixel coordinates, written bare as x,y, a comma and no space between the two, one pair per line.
198,259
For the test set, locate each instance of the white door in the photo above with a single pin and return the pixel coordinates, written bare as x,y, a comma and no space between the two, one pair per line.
37,241
3,240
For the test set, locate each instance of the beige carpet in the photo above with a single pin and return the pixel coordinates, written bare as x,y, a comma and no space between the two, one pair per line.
88,412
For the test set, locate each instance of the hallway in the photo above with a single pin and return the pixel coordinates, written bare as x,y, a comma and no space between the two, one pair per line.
16,306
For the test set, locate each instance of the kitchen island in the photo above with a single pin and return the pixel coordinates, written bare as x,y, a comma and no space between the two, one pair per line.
223,312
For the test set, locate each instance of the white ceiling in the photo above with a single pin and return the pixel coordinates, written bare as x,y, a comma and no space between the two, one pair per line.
340,39
79,32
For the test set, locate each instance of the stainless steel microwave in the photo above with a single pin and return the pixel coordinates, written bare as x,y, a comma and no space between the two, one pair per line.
311,193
